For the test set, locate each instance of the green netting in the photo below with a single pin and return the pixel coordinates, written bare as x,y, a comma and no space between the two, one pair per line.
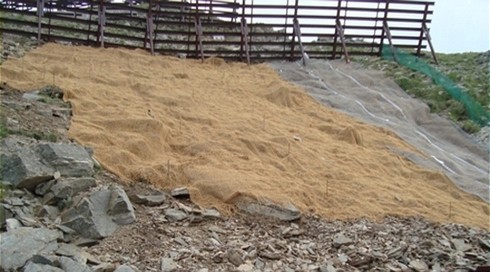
476,112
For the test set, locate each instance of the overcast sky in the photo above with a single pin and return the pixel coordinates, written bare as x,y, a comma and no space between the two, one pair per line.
461,25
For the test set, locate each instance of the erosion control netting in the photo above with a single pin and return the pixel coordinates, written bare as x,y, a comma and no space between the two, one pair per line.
475,111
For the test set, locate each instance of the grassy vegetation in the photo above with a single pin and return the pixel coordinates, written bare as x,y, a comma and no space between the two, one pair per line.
469,70
38,135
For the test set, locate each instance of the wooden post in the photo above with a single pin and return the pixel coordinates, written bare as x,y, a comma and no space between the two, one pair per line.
242,42
150,28
429,40
199,33
295,17
102,20
388,35
383,31
297,30
340,30
421,36
285,30
244,29
90,22
334,50
40,14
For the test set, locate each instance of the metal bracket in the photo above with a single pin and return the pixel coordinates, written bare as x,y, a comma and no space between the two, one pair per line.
388,35
340,31
244,29
297,31
199,33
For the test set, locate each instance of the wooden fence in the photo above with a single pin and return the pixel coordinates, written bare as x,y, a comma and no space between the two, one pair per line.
246,30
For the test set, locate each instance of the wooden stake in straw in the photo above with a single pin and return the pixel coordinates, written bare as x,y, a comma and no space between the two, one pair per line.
263,122
326,187
450,209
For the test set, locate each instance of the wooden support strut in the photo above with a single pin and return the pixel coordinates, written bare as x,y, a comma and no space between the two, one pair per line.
242,37
334,50
150,29
294,34
90,22
40,14
244,29
297,30
429,40
102,21
340,31
199,33
421,36
385,17
388,35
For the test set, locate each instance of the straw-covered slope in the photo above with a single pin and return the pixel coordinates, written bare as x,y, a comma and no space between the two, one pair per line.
230,131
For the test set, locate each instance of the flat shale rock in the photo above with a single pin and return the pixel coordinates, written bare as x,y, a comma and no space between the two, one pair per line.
21,244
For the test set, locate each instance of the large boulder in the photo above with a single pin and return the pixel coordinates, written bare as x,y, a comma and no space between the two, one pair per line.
99,214
26,165
70,160
19,245
65,188
24,170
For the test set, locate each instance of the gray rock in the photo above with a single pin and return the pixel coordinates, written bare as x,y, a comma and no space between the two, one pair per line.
328,268
85,242
341,240
211,213
36,267
175,215
12,224
66,188
64,113
460,245
45,259
99,214
43,188
149,200
419,266
287,213
31,96
259,264
104,267
168,265
70,160
124,268
24,170
31,241
68,250
68,264
181,192
48,211
120,207
246,268
234,257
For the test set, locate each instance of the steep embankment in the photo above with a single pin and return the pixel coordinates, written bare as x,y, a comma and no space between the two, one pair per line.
229,131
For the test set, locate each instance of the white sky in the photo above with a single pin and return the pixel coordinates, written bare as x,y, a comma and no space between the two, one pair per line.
461,26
